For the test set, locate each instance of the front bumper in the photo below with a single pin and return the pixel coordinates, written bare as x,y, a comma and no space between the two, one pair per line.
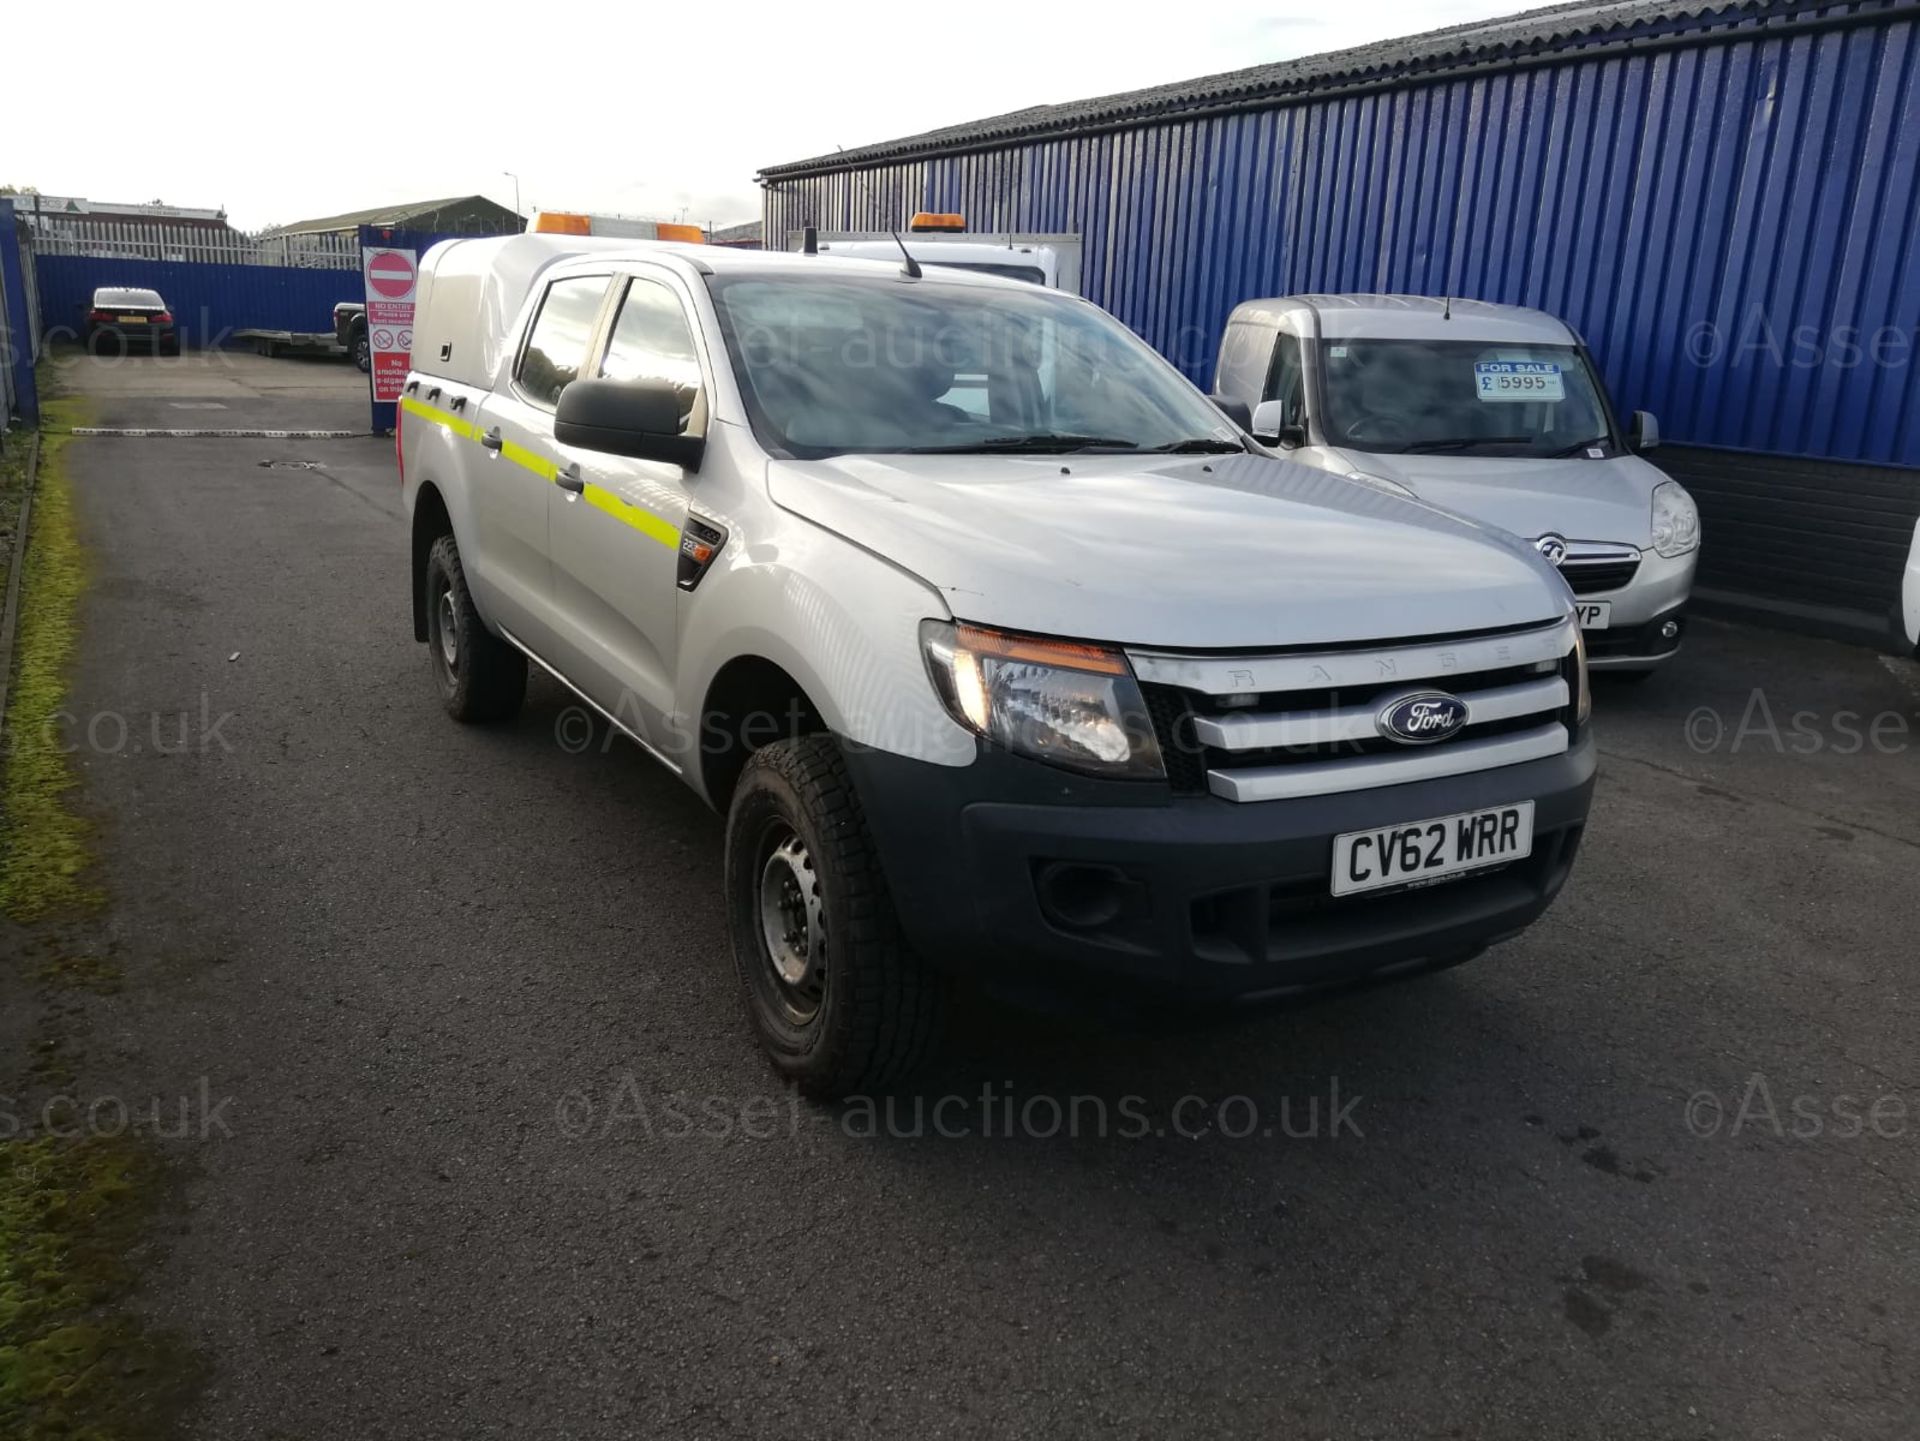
1041,881
1641,610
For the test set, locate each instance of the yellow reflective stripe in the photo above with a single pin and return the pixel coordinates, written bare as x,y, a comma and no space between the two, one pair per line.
644,521
462,428
529,460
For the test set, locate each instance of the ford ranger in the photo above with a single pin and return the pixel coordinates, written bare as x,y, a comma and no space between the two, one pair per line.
999,648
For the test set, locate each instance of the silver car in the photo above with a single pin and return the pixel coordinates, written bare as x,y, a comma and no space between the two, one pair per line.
1493,411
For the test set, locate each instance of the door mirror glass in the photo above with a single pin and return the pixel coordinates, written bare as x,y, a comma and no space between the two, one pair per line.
1645,434
637,418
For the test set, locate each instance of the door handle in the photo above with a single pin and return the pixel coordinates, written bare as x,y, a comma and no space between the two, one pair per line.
491,440
568,479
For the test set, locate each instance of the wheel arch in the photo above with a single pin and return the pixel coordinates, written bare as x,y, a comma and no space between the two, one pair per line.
431,520
751,702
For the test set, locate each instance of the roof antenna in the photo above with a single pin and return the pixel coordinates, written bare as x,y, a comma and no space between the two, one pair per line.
810,240
909,266
1447,314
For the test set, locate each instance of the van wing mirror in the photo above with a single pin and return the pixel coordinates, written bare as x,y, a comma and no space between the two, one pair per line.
1645,434
638,418
1273,424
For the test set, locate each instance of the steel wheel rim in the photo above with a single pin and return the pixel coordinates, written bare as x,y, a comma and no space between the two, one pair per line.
793,924
448,626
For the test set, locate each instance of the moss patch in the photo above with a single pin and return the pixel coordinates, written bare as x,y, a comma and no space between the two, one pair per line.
45,856
73,1365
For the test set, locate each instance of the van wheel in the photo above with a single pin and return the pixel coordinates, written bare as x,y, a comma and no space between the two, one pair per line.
838,1001
480,676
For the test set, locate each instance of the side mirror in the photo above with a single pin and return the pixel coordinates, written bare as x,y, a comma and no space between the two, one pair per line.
1235,410
1645,431
620,417
1273,425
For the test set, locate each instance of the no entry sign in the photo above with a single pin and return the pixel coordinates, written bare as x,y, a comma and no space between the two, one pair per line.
390,277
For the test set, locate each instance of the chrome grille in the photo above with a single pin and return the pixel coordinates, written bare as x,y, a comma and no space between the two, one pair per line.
1593,569
1297,724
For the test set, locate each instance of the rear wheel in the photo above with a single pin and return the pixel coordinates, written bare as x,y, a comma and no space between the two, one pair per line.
840,1004
480,677
362,351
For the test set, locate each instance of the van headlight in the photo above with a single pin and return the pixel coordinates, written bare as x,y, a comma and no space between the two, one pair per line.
1676,520
1062,702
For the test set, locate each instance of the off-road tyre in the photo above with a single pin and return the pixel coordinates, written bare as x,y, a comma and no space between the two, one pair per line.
480,677
879,1010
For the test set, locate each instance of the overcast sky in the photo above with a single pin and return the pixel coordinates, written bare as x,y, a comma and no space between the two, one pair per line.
282,113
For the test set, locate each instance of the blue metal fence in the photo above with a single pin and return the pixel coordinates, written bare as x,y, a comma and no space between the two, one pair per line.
1730,223
209,301
17,393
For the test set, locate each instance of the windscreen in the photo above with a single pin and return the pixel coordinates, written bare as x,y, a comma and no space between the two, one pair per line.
829,366
1461,396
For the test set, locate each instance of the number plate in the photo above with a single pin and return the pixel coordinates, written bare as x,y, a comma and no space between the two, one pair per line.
1427,851
1497,380
133,320
1594,614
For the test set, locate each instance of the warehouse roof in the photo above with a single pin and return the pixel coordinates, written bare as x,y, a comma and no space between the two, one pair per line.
1554,29
398,214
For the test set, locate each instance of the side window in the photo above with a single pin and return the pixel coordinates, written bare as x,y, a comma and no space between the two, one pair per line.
557,345
651,340
1287,380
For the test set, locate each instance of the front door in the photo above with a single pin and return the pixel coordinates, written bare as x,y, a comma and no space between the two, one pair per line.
615,524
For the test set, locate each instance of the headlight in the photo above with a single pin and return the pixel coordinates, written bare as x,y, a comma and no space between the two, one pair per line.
1676,520
1071,705
1582,688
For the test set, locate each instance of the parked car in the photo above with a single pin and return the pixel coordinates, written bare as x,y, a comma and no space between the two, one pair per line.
124,318
350,331
999,649
1493,411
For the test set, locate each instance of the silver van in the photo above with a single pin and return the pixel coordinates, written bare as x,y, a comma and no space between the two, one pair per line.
1493,411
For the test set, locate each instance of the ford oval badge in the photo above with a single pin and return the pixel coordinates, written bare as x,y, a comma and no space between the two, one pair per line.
1423,718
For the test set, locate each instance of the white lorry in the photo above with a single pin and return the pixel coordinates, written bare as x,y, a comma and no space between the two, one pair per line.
999,649
945,242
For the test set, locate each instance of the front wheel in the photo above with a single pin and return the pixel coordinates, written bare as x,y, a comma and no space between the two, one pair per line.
479,676
840,1004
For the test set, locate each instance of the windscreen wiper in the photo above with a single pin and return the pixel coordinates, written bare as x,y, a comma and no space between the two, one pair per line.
1462,442
1580,445
1058,444
1199,445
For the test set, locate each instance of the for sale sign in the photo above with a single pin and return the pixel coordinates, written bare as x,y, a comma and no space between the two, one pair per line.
390,278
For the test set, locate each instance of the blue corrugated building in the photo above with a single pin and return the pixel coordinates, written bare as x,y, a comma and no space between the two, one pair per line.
1723,198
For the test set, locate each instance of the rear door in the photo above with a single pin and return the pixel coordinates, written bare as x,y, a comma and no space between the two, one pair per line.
518,461
615,522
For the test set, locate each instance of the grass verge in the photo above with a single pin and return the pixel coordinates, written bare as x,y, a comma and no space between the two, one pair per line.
72,1364
43,852
76,1361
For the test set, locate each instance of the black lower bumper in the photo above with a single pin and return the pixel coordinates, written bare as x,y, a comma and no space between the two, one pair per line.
1034,879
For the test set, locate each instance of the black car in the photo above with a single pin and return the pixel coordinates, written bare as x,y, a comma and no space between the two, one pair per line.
122,318
350,330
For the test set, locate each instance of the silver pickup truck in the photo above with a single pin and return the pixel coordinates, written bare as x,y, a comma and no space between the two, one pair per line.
1002,652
